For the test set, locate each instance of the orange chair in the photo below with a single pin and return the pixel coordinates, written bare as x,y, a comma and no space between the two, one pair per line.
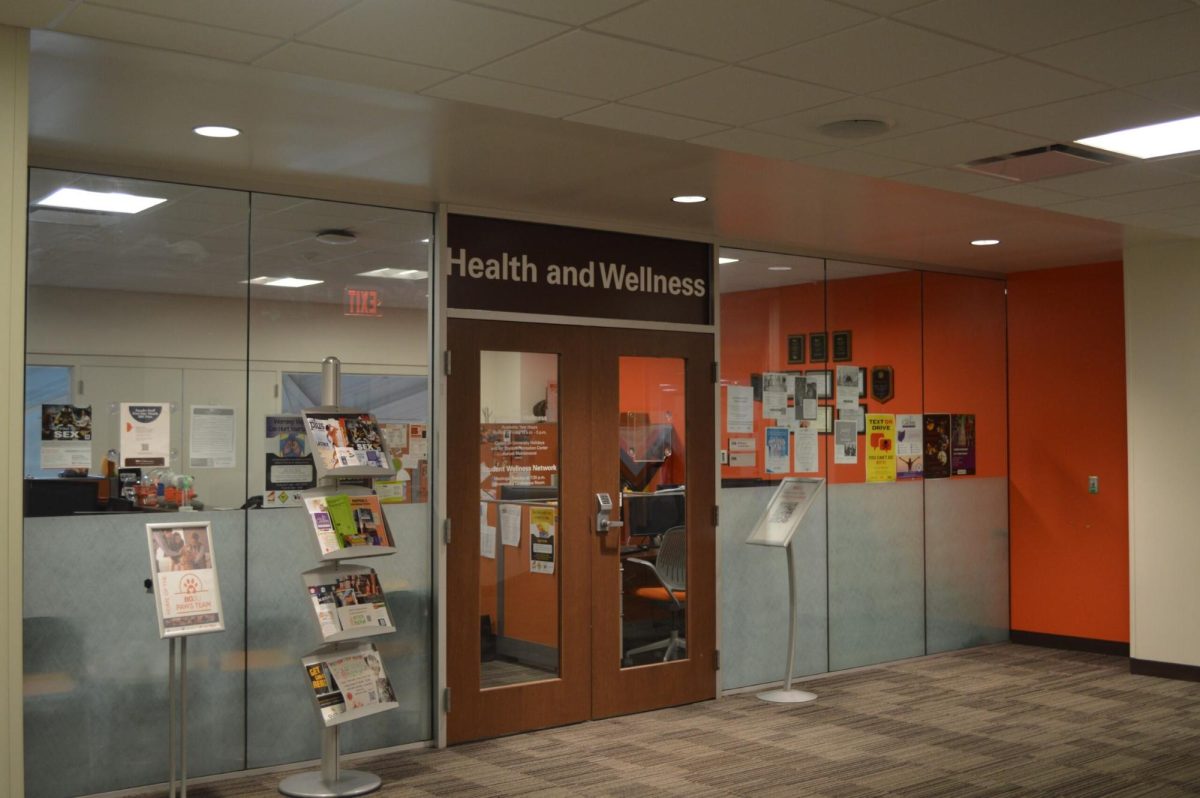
670,570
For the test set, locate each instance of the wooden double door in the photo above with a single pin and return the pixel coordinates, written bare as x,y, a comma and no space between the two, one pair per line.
556,613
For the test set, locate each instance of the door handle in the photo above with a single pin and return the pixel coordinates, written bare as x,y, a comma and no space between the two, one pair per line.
604,508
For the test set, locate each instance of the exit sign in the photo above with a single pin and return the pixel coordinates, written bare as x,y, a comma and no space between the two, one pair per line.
363,302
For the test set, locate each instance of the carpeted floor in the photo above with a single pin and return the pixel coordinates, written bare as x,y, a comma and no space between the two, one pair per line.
999,720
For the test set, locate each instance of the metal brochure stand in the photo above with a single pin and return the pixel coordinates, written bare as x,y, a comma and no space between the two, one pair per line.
332,781
776,527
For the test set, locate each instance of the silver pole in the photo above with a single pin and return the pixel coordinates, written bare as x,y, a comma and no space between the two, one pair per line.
329,755
183,758
171,715
331,382
791,658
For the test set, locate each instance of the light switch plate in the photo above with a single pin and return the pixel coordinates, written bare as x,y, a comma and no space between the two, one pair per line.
724,457
1093,484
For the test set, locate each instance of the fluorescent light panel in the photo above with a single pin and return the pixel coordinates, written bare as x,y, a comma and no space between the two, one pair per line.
396,274
216,131
723,261
688,199
1151,141
283,282
105,201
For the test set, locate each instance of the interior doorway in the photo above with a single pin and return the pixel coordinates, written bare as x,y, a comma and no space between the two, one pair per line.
580,489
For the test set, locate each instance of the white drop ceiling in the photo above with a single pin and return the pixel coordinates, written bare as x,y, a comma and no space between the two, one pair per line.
597,110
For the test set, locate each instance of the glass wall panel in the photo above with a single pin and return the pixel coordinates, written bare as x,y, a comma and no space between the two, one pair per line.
876,513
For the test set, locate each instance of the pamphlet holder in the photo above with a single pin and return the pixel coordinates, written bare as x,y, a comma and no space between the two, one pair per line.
776,527
331,781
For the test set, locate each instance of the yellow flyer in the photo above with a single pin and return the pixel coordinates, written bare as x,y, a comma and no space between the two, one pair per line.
541,540
881,447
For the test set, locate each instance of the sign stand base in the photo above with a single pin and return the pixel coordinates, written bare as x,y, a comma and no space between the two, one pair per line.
787,695
331,781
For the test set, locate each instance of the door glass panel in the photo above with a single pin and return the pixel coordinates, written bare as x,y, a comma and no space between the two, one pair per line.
519,529
653,487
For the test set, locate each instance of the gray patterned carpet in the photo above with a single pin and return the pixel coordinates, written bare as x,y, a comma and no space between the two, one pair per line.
1000,720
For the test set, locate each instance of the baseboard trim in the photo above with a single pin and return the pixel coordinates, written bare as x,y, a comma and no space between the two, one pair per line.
1069,643
1164,670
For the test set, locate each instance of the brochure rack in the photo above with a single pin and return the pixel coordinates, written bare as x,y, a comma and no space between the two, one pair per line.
338,543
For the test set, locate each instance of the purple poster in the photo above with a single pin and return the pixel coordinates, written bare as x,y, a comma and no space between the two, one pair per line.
937,446
962,444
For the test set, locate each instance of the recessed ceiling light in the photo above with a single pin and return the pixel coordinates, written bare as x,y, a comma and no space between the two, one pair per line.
216,131
723,261
336,237
397,274
1151,141
424,240
779,268
688,199
106,201
985,242
283,282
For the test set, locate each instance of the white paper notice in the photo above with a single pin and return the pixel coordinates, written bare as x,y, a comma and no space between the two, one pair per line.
806,450
510,524
849,387
487,542
742,452
845,442
739,409
778,455
145,434
212,437
806,399
775,396
909,440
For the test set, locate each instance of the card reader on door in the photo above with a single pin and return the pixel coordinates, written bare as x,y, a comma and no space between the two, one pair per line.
604,509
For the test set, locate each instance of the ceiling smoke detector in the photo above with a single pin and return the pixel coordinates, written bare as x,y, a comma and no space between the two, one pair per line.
1040,163
858,128
336,237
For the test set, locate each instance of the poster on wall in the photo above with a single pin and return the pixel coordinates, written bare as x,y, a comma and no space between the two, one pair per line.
349,683
962,444
212,437
541,540
778,459
806,456
742,453
881,447
775,396
804,389
145,439
66,437
187,596
739,409
849,387
845,442
908,446
936,443
290,467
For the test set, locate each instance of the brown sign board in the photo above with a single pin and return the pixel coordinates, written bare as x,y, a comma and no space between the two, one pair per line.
525,267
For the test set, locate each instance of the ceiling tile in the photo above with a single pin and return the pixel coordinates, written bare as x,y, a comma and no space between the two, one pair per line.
884,6
1148,51
735,96
730,31
955,144
1017,26
1096,209
1024,194
1193,231
1158,199
905,120
1182,90
280,18
440,33
515,97
1157,220
764,144
951,180
1069,120
166,34
1114,180
861,163
873,56
571,12
639,120
321,62
1188,164
596,66
991,88
32,13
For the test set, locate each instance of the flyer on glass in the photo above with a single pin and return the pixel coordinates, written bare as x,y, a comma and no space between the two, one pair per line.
510,524
775,396
289,465
807,460
778,459
908,446
348,601
849,387
541,539
145,438
187,596
66,437
212,437
881,447
742,453
845,442
739,409
962,445
936,443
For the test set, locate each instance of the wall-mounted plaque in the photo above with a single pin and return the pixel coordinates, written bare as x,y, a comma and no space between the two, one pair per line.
817,347
842,350
883,386
795,349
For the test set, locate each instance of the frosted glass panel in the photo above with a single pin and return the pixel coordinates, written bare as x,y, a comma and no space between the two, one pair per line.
95,670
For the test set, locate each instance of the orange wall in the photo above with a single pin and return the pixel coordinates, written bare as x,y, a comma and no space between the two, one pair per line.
1070,550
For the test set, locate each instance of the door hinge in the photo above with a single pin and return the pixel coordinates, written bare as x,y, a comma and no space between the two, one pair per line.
446,362
716,372
717,660
446,700
446,531
716,515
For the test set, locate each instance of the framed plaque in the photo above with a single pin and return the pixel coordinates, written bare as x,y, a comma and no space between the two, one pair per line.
842,349
796,348
883,386
818,347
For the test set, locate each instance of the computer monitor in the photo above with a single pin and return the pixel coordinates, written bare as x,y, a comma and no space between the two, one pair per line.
46,497
651,514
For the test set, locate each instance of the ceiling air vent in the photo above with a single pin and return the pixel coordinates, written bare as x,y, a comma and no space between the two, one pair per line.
1040,163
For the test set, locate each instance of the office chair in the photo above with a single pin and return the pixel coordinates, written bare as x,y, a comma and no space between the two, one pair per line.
670,569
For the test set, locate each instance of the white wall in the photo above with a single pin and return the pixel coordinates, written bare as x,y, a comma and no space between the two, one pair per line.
1162,343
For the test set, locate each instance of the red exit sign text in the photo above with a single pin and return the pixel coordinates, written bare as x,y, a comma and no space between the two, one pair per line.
363,302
